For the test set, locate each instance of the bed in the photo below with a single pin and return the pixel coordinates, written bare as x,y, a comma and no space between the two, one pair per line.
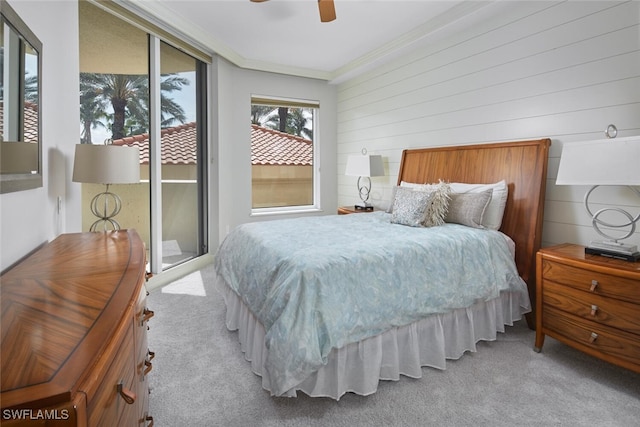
333,304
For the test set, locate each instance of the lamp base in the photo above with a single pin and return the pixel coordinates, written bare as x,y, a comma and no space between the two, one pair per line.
613,246
631,257
364,206
105,206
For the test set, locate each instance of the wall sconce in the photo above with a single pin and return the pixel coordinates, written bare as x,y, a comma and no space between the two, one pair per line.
614,161
364,166
106,164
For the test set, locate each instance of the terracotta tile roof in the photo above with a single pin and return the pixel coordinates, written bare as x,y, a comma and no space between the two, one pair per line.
271,147
178,145
30,121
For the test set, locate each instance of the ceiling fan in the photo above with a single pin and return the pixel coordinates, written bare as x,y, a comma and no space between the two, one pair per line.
326,7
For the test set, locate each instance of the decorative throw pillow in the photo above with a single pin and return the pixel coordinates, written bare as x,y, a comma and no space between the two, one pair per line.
409,207
393,198
440,204
468,208
492,218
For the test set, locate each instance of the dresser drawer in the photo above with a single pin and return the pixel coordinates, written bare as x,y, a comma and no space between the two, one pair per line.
142,317
587,305
593,337
598,283
108,406
143,356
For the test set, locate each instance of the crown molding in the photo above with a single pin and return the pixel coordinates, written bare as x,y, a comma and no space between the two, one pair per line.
441,25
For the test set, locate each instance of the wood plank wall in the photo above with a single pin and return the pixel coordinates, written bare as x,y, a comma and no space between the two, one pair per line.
562,70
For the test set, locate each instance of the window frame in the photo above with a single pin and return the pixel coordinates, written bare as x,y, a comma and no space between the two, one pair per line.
275,101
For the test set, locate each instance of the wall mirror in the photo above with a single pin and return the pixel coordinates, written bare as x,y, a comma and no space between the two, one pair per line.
20,88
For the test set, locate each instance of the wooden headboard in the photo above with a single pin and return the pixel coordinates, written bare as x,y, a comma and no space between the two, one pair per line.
523,164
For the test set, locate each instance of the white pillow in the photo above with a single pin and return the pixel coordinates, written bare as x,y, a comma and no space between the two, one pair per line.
492,217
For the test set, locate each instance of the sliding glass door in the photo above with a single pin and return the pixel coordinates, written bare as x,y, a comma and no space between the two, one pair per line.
182,192
138,89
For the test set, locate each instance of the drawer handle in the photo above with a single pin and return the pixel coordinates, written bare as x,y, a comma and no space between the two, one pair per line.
594,309
147,314
593,337
149,419
151,354
594,285
148,368
127,395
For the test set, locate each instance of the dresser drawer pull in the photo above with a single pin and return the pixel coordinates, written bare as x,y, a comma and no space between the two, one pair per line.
151,354
594,309
127,395
147,314
148,366
149,419
594,285
593,337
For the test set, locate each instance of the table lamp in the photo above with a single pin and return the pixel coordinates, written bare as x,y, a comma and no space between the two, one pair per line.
364,166
605,162
106,164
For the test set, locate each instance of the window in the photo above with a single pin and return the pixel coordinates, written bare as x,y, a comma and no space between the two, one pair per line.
283,168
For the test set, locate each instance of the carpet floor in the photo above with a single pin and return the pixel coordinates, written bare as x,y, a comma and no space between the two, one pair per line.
200,378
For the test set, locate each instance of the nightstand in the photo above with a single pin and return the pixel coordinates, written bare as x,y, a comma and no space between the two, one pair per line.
589,302
345,210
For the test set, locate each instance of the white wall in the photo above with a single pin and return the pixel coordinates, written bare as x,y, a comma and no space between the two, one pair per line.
562,70
29,218
235,87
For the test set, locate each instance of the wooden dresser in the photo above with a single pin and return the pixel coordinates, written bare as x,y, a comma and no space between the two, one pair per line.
589,302
74,334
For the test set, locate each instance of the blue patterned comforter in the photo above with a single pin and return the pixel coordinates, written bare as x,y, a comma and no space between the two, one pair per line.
323,282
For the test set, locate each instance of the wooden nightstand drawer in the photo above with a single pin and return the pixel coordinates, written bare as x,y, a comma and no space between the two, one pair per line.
587,305
592,337
589,302
592,281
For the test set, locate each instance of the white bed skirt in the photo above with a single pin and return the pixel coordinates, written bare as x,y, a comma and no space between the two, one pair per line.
358,367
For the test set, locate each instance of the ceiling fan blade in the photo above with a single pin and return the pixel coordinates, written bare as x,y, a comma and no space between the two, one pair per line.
327,10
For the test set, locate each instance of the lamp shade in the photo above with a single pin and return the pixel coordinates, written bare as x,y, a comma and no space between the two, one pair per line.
364,165
106,164
614,161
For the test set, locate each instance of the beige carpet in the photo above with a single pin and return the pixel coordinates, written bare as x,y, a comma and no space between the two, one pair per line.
200,378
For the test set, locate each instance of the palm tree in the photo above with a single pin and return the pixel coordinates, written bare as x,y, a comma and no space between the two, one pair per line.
129,98
298,123
260,113
92,111
293,121
170,111
283,115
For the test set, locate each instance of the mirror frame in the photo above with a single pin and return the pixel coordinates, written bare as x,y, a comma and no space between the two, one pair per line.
24,181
